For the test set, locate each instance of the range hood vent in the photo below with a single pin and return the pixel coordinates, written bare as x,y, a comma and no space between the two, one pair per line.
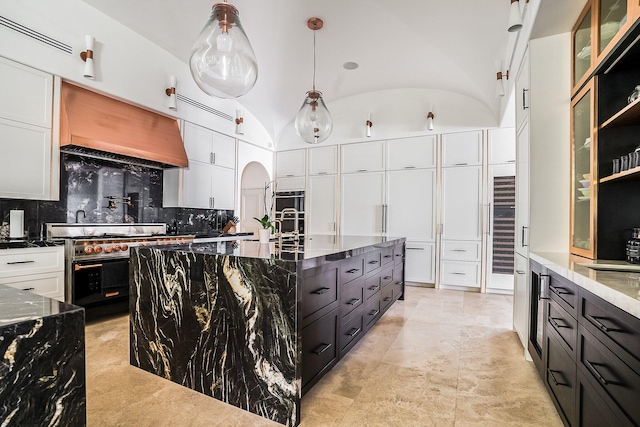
98,126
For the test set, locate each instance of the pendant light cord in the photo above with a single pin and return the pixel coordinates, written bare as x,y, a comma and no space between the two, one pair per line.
314,60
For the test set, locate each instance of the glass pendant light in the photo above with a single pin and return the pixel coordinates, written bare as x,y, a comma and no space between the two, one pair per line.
222,61
313,121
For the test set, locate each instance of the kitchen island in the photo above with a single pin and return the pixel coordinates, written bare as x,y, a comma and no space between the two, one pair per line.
256,325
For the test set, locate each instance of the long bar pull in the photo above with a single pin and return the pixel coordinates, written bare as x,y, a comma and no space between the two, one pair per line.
20,262
84,267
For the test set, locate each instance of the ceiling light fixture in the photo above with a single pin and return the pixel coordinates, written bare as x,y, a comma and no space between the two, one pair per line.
222,61
313,121
430,118
515,18
171,93
87,57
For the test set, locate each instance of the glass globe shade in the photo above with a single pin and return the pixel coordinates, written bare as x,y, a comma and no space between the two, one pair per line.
313,121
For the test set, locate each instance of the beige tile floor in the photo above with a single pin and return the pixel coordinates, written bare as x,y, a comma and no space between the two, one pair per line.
439,358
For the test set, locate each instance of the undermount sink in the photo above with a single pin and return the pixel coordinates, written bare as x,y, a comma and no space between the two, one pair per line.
613,267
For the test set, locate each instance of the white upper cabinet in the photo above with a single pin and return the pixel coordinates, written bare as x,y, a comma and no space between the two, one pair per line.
27,94
362,204
223,148
411,153
207,146
290,163
462,203
323,160
363,157
462,149
523,96
321,205
502,146
411,201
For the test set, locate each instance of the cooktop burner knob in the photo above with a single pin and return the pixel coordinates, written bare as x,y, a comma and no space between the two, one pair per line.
108,249
88,249
116,248
124,247
97,249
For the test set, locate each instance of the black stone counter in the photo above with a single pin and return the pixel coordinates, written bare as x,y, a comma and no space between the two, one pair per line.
42,365
222,318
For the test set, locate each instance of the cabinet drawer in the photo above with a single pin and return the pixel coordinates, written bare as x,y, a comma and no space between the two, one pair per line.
372,312
617,329
461,251
460,273
319,346
372,286
319,289
49,284
564,292
398,285
386,277
351,297
18,262
594,409
351,330
388,255
372,261
290,183
386,298
351,269
604,368
398,254
561,377
564,325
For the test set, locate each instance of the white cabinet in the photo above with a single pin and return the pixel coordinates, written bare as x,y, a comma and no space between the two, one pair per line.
29,136
321,205
462,149
223,188
521,299
290,163
523,96
323,160
522,191
502,146
411,204
411,153
419,262
461,251
38,270
362,200
363,157
462,203
460,274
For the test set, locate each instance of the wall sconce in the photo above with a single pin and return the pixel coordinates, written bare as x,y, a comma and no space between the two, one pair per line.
500,83
87,57
171,93
239,123
369,124
430,118
515,18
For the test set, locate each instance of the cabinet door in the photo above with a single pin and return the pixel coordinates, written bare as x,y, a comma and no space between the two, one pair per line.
25,164
224,150
363,157
321,199
362,197
522,192
323,160
27,94
196,185
411,206
521,299
197,142
523,97
462,149
223,188
419,262
411,153
461,203
290,163
502,146
583,49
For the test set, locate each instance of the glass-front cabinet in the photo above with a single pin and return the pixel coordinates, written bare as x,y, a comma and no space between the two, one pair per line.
582,48
583,172
614,17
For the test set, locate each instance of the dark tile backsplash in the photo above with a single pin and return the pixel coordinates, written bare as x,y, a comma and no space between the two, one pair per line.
86,185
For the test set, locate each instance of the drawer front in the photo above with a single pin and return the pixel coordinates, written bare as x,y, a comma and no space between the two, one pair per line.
319,289
49,284
398,286
319,346
561,377
372,312
372,261
386,277
386,298
18,262
351,297
604,368
398,254
372,286
351,269
616,328
564,292
461,251
388,255
564,325
594,409
351,330
457,273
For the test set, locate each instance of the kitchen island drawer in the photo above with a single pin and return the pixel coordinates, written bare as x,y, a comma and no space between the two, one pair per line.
372,286
561,377
319,347
372,312
351,269
461,251
564,325
386,298
386,277
351,297
319,288
18,262
565,292
372,261
398,254
351,330
388,254
50,285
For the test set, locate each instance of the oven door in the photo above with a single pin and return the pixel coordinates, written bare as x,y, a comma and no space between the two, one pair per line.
96,282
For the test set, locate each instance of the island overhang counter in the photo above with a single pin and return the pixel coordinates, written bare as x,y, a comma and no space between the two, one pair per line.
256,325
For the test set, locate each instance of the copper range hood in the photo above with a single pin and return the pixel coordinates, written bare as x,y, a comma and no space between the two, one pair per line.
95,125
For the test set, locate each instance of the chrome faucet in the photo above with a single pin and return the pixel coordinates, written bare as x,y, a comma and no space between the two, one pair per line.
84,214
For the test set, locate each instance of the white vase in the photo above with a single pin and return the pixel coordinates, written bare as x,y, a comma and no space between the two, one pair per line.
264,234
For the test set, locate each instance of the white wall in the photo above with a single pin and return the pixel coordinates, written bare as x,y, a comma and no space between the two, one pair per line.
248,153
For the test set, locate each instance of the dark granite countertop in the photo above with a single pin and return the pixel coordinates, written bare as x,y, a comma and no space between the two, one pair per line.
35,243
17,306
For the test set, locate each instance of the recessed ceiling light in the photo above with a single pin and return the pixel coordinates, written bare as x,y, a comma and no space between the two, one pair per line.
350,65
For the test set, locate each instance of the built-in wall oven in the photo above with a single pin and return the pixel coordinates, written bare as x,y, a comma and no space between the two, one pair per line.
539,295
289,211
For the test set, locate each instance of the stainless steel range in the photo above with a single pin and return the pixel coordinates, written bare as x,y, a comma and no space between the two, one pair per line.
97,258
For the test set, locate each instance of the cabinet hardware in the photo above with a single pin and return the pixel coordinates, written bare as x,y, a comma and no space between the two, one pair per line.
592,368
84,267
553,321
387,256
374,312
386,278
289,176
353,332
354,301
374,288
459,274
511,161
544,287
210,157
385,209
600,325
387,299
321,349
520,272
373,262
553,377
523,236
458,250
112,294
362,170
353,270
413,249
28,289
214,158
409,167
322,173
461,164
321,291
20,262
524,99
559,290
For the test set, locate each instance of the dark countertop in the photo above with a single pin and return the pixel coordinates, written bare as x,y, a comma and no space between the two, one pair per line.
18,306
36,243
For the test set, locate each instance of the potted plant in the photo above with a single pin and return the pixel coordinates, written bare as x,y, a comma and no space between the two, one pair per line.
267,228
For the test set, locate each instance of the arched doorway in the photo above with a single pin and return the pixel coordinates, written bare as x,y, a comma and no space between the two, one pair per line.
252,196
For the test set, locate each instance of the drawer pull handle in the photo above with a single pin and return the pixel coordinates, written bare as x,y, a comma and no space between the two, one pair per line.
458,250
553,321
387,299
559,291
387,256
374,288
353,332
112,294
20,262
353,270
407,248
28,289
520,272
374,313
84,267
321,349
373,262
354,301
599,324
459,274
413,249
386,278
321,291
362,170
399,282
594,371
553,378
